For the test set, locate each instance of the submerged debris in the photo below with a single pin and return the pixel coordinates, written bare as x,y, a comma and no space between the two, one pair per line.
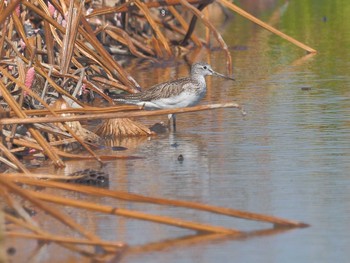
90,177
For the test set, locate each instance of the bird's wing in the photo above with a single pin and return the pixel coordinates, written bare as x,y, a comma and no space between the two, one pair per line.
163,90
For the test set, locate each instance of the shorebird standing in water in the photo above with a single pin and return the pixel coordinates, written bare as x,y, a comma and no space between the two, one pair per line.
184,92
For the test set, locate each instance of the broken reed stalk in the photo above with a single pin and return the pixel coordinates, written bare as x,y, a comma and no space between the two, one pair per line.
52,119
161,201
134,214
257,21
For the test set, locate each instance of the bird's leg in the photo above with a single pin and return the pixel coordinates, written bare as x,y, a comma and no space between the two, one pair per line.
172,118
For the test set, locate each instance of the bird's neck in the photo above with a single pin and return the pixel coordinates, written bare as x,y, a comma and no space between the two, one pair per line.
200,79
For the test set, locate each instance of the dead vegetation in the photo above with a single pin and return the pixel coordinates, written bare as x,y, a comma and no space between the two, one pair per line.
56,57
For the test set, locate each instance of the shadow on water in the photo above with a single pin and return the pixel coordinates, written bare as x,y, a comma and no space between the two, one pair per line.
288,157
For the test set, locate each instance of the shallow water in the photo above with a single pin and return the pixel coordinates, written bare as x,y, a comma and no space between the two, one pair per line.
289,156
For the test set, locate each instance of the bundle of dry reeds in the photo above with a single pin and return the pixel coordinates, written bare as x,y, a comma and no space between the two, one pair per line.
64,52
60,49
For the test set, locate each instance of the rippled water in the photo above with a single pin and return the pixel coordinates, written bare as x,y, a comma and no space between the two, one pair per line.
289,157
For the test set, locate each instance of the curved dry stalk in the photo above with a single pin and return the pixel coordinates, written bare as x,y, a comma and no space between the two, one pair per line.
8,10
257,21
122,37
135,214
184,24
217,35
159,35
118,114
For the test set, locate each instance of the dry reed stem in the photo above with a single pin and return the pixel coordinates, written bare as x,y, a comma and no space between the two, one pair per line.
257,21
28,144
65,125
184,24
48,150
8,163
125,7
38,69
161,201
105,60
158,34
122,37
67,240
2,40
73,19
30,196
45,234
209,25
49,41
20,30
2,236
134,214
46,176
8,10
89,35
117,114
91,110
13,159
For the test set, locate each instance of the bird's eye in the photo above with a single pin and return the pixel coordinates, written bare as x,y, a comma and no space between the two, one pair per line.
205,67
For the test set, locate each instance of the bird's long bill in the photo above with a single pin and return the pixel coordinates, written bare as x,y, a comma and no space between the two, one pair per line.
221,75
